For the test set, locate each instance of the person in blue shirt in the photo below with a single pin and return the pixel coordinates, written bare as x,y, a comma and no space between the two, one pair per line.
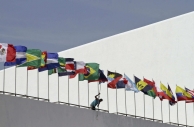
96,102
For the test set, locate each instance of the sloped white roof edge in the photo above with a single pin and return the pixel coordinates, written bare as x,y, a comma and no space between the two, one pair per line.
127,32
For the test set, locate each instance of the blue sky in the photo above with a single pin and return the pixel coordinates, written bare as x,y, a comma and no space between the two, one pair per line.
57,25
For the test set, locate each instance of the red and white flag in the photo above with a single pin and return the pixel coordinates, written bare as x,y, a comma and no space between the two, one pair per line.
69,64
7,53
79,68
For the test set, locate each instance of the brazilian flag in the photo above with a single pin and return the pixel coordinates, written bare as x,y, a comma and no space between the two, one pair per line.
92,72
144,87
33,58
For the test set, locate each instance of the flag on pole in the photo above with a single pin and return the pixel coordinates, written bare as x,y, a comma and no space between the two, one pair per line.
102,78
172,102
152,84
130,86
52,61
52,71
191,92
113,79
162,95
33,58
20,56
69,64
182,95
169,93
92,72
79,67
43,66
144,87
7,53
121,83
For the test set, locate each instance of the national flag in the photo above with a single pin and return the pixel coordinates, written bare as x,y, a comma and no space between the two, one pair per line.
20,56
63,72
33,58
169,93
191,92
92,72
144,87
43,66
52,71
173,98
130,86
79,67
7,53
113,78
121,83
152,84
182,95
69,64
52,61
62,61
102,78
161,94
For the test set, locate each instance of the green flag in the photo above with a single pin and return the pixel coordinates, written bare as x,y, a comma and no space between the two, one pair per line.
33,58
92,72
52,71
62,61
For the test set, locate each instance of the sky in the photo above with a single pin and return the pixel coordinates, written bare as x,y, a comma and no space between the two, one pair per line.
57,25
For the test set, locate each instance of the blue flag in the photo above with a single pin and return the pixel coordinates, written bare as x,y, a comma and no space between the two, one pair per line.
130,86
52,61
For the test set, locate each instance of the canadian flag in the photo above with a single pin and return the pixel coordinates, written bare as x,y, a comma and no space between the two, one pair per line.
7,53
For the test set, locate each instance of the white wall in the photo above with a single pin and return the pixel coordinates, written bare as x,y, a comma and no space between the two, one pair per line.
162,51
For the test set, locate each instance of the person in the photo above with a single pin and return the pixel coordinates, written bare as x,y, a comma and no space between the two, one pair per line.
96,102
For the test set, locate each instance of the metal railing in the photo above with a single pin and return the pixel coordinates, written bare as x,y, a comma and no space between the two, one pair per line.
86,107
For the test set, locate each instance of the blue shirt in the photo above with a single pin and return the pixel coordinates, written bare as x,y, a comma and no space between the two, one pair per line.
94,103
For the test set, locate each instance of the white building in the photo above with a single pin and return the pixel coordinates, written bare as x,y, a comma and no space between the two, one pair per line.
162,51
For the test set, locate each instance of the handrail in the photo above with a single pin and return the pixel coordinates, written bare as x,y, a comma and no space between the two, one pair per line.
82,106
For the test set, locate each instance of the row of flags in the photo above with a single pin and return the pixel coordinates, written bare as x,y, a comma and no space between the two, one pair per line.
20,56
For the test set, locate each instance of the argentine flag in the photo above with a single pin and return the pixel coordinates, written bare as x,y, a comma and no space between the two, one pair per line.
20,56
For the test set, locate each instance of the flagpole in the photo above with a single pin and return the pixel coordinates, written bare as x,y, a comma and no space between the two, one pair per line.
48,89
15,79
88,94
186,113
116,99
68,89
153,107
107,99
78,93
144,104
27,85
161,112
38,84
58,89
125,103
177,115
169,112
3,79
135,103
